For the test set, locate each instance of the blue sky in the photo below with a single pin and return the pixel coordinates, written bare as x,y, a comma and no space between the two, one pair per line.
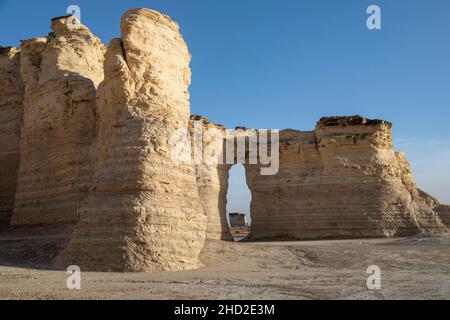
284,64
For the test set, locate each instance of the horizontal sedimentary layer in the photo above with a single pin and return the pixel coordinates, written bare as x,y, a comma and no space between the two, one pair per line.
11,112
143,211
60,75
342,180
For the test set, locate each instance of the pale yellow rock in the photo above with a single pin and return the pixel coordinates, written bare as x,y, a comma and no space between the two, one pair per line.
341,181
60,75
143,212
212,179
11,109
96,157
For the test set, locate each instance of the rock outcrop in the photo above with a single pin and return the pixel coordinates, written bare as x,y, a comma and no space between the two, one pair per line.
94,131
444,214
342,180
212,177
143,212
60,75
11,109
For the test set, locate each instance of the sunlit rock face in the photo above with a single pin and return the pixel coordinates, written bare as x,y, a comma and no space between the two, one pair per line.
60,74
342,180
86,156
11,110
143,211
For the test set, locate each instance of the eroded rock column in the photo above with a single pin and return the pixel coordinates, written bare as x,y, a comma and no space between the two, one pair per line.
11,110
213,188
143,212
373,184
60,75
342,180
212,176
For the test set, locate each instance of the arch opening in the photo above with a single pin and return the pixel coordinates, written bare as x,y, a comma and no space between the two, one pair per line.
238,203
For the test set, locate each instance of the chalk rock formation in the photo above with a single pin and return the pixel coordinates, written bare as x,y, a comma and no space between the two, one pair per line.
97,164
11,96
60,74
342,180
143,212
212,177
444,214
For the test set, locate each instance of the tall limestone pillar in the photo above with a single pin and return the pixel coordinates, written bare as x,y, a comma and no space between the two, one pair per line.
143,211
60,75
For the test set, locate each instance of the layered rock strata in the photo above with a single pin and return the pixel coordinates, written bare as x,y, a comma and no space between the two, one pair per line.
212,176
86,151
143,211
11,110
342,180
60,75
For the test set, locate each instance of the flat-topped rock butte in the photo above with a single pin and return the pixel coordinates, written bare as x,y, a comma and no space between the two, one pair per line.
85,162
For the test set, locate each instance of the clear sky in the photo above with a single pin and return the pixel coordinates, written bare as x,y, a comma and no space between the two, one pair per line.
279,64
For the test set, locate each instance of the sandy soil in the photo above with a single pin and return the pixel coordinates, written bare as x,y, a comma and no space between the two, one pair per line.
412,268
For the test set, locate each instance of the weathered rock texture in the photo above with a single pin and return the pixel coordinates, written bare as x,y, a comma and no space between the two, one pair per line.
342,180
212,180
96,159
143,212
11,97
444,214
60,74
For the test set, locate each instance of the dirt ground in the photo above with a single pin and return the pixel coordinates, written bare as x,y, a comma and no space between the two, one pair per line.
411,268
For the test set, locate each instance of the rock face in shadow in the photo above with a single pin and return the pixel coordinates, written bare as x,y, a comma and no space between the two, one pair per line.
60,75
143,211
11,109
444,214
342,180
212,178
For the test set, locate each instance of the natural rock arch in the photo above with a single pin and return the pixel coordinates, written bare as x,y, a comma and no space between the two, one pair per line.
342,180
95,157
